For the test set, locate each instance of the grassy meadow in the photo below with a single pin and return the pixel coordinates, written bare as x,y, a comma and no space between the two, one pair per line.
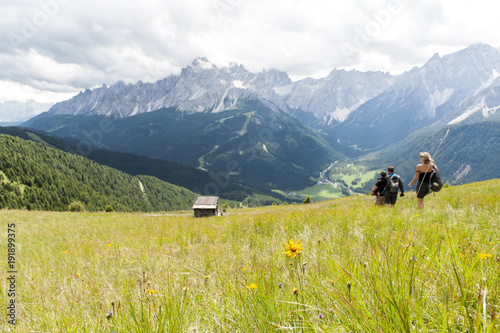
322,192
358,180
354,268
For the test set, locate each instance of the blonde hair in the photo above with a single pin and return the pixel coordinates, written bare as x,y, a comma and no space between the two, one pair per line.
426,157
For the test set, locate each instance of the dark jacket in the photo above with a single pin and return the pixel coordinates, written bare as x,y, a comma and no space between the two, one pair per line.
380,184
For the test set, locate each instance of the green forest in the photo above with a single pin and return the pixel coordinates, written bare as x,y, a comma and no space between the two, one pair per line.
34,176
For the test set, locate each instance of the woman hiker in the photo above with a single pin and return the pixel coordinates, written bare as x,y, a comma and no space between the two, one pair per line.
423,175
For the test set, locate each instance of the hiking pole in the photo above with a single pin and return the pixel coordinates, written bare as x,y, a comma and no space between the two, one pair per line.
437,149
444,137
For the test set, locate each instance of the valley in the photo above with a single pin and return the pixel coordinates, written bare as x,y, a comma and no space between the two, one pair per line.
242,136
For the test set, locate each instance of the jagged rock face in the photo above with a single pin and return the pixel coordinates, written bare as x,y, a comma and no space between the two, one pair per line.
203,87
348,105
424,96
200,87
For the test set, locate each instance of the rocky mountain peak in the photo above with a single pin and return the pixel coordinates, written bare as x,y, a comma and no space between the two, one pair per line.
441,84
202,63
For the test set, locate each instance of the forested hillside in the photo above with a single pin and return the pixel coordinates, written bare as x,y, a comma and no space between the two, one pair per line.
464,153
37,177
170,172
253,144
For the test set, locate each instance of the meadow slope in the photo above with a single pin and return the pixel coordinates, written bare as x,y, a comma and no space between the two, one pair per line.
359,268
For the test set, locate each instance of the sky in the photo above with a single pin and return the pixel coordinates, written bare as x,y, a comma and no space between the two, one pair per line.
51,50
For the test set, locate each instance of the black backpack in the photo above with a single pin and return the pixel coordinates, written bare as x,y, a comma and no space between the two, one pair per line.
393,183
435,183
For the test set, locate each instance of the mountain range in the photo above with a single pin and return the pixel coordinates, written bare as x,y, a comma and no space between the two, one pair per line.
14,112
434,93
265,131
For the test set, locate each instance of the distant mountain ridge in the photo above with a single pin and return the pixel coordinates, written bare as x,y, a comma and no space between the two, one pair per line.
424,96
214,118
203,87
17,112
344,104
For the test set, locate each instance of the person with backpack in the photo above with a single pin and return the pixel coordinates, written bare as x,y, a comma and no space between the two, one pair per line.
379,189
394,184
423,174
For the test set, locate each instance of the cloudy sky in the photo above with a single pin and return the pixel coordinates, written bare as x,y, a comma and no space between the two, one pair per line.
52,49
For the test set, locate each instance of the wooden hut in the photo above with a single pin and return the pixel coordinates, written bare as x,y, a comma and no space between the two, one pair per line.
206,206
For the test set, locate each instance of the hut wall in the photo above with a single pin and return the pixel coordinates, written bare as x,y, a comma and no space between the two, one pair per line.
204,212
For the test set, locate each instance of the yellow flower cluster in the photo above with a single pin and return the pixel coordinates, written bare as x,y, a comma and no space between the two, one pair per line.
483,255
252,286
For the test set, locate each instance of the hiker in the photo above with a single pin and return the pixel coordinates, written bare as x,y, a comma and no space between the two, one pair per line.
423,175
379,189
394,184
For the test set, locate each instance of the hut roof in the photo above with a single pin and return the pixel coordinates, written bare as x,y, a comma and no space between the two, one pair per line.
206,203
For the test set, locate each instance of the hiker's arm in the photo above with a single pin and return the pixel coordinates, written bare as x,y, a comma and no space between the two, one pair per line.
401,187
415,178
374,190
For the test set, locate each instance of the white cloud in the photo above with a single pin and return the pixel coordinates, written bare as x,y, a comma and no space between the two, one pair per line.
57,47
14,91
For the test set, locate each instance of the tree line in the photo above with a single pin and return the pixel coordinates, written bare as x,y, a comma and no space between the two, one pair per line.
34,176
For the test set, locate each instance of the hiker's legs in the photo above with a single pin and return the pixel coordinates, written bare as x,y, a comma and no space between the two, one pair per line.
379,200
390,199
420,202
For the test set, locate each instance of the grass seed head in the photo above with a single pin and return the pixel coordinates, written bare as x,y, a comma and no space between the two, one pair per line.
109,315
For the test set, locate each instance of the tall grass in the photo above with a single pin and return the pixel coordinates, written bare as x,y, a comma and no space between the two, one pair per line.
362,268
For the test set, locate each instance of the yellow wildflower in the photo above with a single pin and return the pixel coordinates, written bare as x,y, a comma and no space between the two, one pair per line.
483,255
252,286
293,248
150,291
